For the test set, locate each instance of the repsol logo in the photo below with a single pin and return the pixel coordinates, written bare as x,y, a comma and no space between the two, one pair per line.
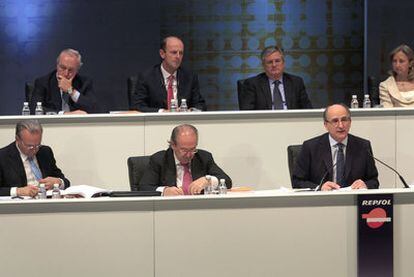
384,202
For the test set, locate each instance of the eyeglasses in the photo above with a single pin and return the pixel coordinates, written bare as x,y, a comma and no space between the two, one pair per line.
31,147
336,121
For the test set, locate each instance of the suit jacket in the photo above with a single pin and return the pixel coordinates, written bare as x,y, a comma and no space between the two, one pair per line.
161,170
315,160
390,95
151,95
12,172
257,94
46,90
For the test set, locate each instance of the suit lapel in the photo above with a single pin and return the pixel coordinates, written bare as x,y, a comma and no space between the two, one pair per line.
287,87
326,155
196,167
16,163
162,91
348,156
265,89
55,95
170,174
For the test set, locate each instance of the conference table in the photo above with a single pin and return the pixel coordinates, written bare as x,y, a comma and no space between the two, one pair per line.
251,146
258,233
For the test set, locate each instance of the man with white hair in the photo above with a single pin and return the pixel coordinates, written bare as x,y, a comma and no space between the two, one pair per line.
64,90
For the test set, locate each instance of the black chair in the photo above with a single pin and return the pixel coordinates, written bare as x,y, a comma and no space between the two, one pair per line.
136,169
132,82
293,153
240,91
28,90
373,90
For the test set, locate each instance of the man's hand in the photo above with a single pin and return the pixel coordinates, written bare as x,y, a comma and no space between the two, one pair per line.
330,186
28,190
49,182
173,191
64,84
358,184
198,185
76,112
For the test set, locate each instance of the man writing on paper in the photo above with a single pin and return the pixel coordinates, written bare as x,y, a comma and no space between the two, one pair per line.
336,159
168,80
181,169
26,162
274,89
64,90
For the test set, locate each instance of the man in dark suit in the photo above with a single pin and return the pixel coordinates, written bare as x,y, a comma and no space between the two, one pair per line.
336,159
168,80
25,163
64,90
182,168
274,89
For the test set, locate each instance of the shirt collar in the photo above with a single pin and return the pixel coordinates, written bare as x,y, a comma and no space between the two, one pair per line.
23,156
165,73
333,142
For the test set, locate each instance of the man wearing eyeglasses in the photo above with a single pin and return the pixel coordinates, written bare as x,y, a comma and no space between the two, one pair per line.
182,168
63,90
25,163
336,159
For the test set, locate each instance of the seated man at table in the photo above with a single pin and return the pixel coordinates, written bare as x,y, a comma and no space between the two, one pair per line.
181,169
26,162
336,159
274,89
64,90
168,80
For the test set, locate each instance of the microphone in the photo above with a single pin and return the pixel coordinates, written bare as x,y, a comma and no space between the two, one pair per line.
395,171
319,187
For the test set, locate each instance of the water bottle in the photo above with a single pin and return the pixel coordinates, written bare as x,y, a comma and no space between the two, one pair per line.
173,105
42,192
183,107
39,109
26,109
208,188
367,102
56,191
222,187
354,102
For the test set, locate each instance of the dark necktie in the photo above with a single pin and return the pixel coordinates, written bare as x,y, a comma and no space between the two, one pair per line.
277,99
340,165
65,102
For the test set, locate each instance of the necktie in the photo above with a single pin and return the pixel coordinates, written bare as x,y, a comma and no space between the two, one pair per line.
340,165
35,169
187,179
277,98
170,92
65,102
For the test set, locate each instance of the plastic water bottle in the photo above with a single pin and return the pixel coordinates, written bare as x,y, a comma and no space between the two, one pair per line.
183,107
26,109
39,109
354,102
173,105
42,192
222,187
208,188
56,192
367,102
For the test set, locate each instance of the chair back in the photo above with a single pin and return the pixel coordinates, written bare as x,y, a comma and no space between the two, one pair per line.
293,153
136,169
132,82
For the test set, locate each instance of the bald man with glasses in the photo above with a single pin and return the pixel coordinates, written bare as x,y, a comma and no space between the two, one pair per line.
182,168
25,163
336,159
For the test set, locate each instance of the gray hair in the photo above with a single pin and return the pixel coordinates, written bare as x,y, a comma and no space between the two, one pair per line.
73,53
180,129
410,55
270,50
31,125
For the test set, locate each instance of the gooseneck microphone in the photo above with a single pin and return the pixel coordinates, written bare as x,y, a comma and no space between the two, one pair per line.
319,187
395,171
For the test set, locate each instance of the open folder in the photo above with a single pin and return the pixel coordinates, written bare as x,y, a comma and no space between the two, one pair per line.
86,191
